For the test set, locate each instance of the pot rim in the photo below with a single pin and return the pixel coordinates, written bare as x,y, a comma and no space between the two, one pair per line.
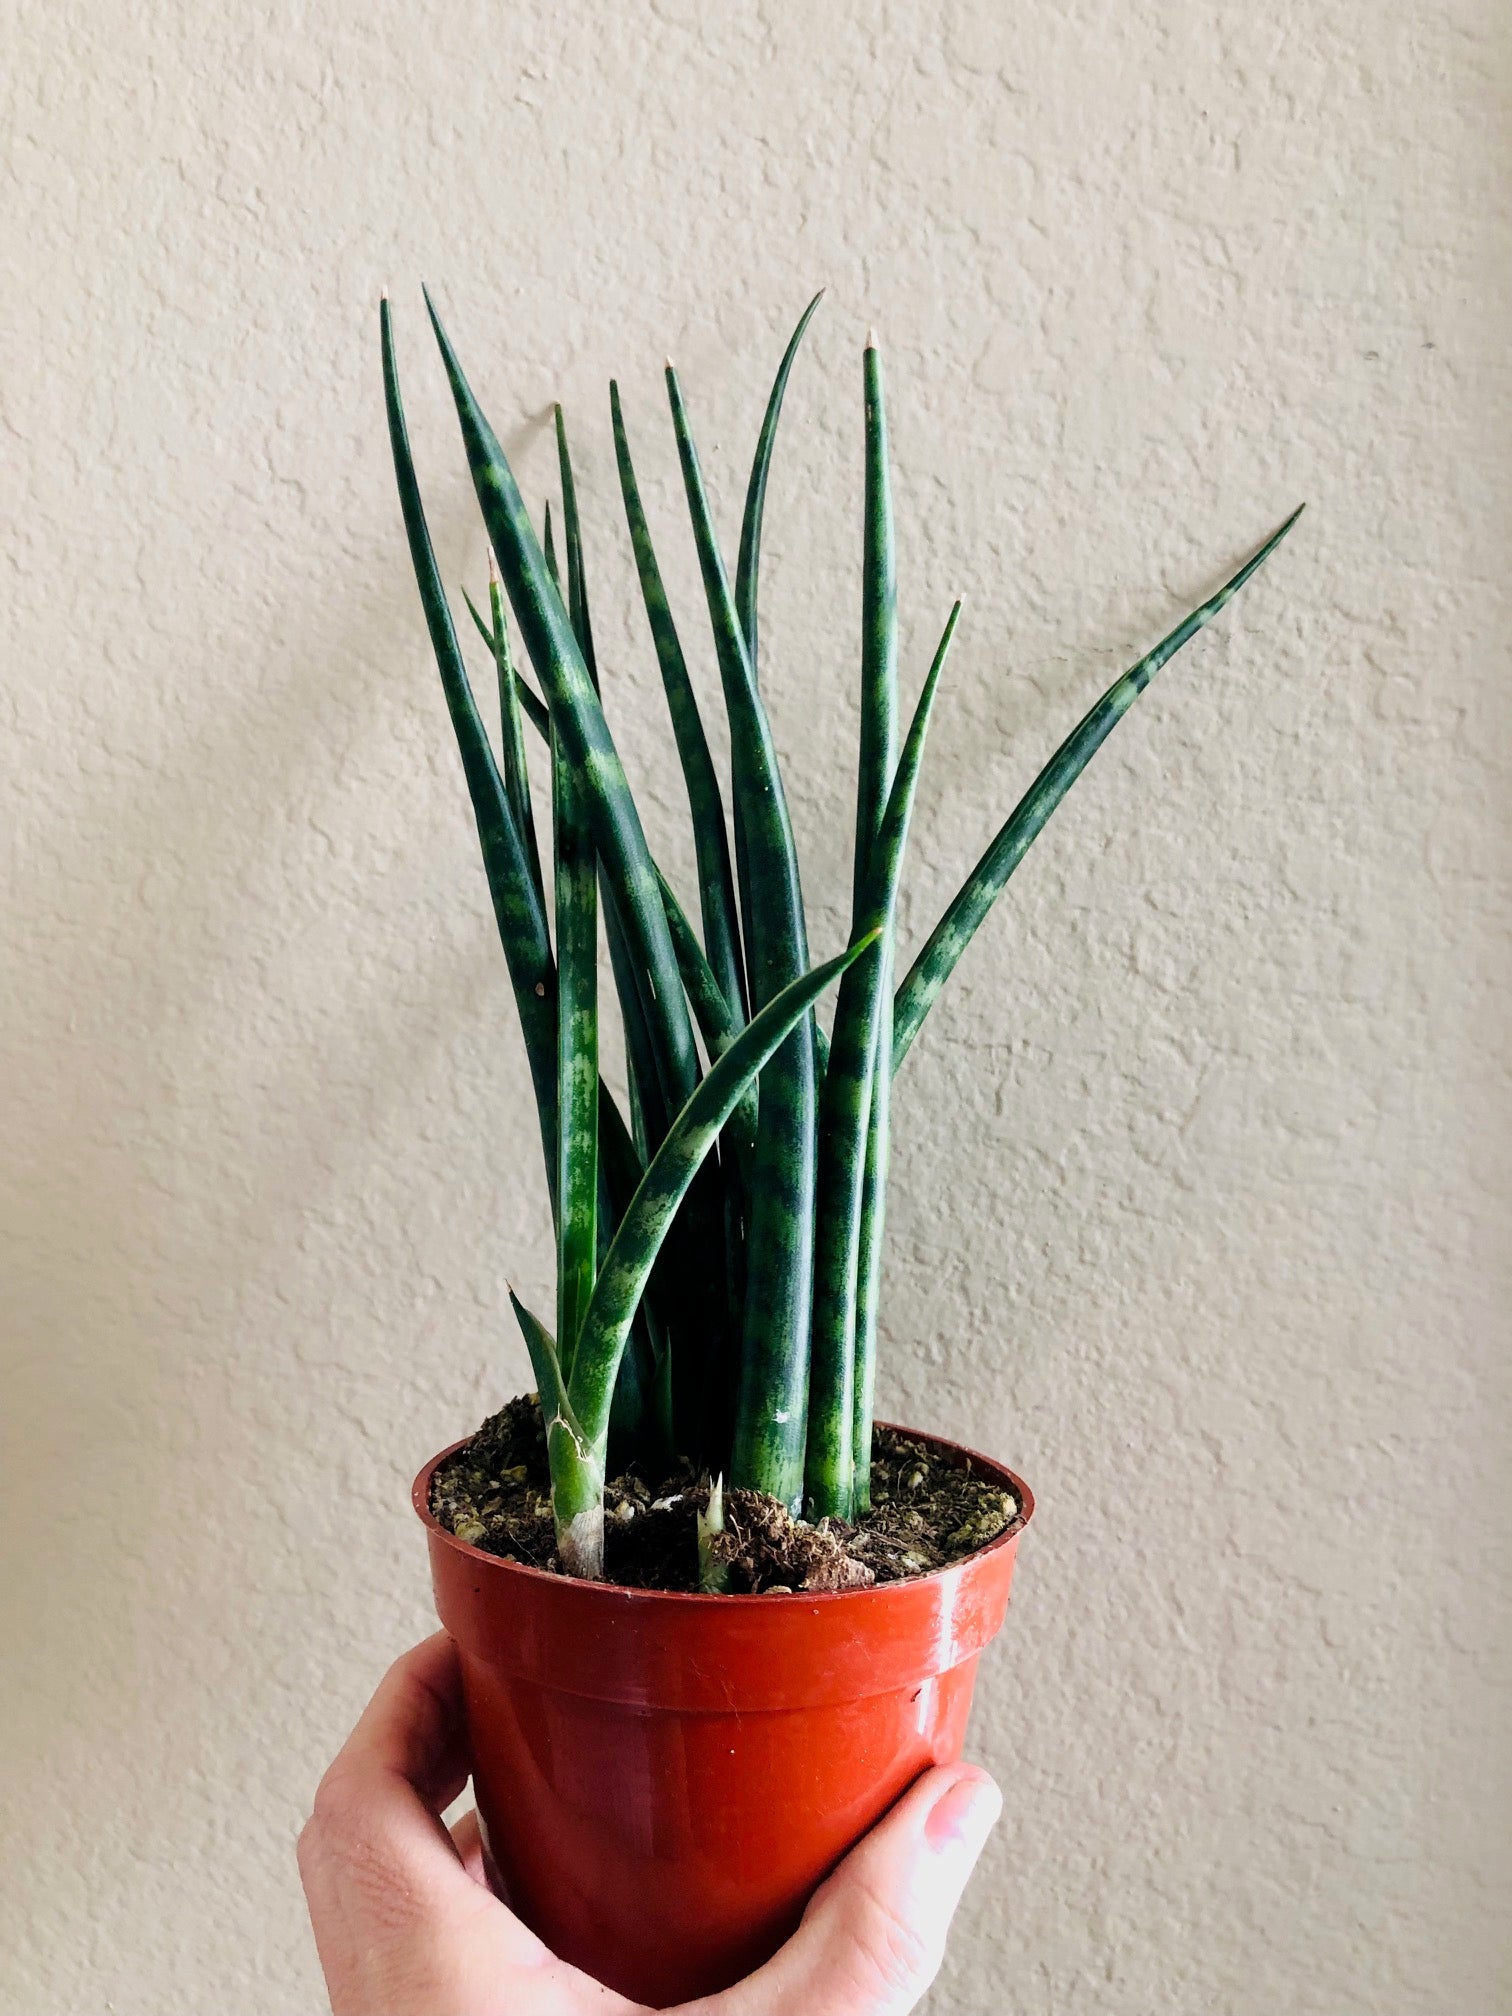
722,1601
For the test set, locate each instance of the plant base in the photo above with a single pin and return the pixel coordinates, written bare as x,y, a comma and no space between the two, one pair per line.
664,1779
926,1513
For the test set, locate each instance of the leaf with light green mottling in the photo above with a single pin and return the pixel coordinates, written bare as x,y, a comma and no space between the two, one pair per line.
874,781
575,883
773,1398
830,1483
716,885
516,901
622,1278
531,705
511,734
711,1011
578,720
982,887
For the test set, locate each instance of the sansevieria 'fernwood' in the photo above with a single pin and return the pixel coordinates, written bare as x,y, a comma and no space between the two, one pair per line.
719,1239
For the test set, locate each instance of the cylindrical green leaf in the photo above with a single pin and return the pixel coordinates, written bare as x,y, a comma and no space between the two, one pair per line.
690,1283
529,703
632,1254
748,565
576,1459
879,638
517,905
577,586
579,722
982,887
716,884
711,1011
576,890
773,1397
869,1272
511,734
844,1134
879,632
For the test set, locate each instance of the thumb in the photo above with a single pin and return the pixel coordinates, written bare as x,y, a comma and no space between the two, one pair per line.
872,1940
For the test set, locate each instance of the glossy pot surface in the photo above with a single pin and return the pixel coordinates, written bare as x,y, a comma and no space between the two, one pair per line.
663,1780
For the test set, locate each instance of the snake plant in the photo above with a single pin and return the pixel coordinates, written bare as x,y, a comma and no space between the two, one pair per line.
718,1241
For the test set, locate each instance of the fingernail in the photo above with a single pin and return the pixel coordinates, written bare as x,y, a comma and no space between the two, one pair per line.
964,1815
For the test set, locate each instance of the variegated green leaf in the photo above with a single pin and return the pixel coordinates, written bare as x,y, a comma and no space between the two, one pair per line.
982,887
773,1397
831,1483
516,900
716,884
578,720
748,564
622,1279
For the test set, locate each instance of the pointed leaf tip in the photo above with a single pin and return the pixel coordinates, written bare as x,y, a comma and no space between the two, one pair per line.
430,308
950,937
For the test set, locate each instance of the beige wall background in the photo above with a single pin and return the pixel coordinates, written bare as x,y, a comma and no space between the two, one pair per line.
1202,1167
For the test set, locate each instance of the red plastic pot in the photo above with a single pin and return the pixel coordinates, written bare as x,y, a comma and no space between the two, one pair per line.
664,1780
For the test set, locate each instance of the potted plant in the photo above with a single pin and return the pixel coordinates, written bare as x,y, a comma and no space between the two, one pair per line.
711,1624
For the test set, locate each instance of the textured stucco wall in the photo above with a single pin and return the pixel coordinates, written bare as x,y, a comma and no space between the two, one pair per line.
1202,1169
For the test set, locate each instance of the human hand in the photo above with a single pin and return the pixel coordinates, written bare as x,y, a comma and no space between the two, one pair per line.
405,1924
